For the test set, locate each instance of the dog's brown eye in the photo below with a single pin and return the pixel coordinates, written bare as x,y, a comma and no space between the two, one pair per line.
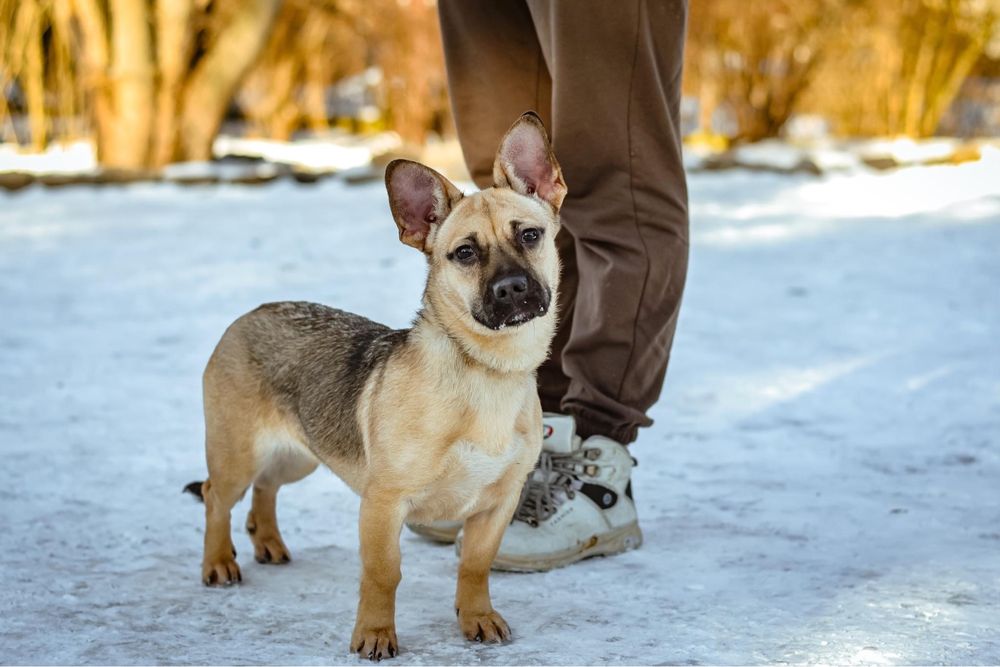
465,254
530,236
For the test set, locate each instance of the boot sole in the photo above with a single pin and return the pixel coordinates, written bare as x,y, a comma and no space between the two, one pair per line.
617,541
441,535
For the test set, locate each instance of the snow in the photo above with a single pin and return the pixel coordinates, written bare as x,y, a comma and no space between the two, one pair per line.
905,150
332,152
336,152
771,153
820,485
181,171
830,156
76,157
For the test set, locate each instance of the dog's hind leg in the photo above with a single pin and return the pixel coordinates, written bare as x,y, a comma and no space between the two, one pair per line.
232,467
262,525
284,467
219,563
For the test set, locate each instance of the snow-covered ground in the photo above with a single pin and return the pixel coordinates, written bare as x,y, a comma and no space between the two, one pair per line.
335,151
822,483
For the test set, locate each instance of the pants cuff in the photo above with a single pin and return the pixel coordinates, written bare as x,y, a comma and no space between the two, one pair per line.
589,423
550,404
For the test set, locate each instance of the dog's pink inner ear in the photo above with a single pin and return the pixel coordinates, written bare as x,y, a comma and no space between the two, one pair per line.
527,161
418,200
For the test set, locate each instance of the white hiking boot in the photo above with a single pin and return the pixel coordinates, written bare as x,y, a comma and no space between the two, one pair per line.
576,504
438,531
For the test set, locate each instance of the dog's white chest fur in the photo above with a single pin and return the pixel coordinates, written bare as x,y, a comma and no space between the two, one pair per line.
468,471
477,469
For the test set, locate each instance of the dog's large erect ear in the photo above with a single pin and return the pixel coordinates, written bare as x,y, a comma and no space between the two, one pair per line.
525,162
419,197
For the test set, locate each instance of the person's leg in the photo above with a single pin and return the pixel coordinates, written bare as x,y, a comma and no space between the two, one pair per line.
614,119
553,383
496,72
616,73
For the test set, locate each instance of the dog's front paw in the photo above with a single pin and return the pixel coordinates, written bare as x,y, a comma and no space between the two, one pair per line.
484,627
374,643
221,571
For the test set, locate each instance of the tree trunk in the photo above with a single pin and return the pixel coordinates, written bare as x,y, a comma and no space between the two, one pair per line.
131,85
930,43
27,64
957,70
34,79
708,100
408,78
213,82
62,64
172,54
94,66
274,88
315,73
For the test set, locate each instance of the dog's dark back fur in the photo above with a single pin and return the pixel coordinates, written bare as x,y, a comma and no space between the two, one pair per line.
333,353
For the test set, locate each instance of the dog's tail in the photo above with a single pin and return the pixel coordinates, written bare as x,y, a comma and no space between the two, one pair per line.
195,489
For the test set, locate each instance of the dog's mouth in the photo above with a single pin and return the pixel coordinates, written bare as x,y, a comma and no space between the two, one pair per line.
520,317
507,318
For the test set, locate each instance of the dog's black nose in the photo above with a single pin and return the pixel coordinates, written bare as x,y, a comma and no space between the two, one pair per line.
510,287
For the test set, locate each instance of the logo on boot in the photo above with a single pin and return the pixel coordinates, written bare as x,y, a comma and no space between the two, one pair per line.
547,431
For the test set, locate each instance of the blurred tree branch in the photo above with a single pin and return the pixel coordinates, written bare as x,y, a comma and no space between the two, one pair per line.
756,58
155,78
152,80
871,67
899,66
151,96
287,86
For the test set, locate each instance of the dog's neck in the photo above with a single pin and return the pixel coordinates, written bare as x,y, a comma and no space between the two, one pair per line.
518,350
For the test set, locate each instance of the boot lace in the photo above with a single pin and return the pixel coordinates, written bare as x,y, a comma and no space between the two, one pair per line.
555,479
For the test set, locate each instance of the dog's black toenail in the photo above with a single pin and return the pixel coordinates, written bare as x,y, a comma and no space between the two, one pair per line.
285,558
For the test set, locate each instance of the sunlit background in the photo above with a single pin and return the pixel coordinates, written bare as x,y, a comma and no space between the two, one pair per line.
146,83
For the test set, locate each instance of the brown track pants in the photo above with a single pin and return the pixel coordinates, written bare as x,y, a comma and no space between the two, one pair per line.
605,77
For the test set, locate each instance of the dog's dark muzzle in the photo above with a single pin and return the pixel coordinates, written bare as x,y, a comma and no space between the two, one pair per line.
512,299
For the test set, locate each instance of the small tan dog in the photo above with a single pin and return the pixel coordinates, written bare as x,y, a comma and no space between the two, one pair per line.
440,421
